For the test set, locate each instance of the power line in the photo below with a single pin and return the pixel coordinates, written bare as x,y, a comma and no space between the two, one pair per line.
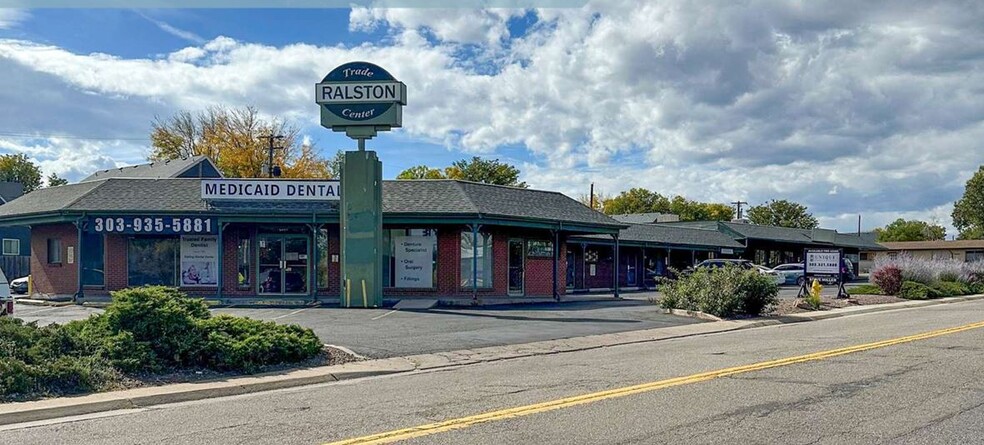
57,136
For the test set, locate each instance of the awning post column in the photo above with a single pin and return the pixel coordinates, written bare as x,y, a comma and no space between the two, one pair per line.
556,256
79,296
617,253
220,278
313,273
474,229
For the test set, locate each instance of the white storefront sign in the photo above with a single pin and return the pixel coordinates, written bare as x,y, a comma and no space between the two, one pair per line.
353,92
414,259
822,262
270,190
199,260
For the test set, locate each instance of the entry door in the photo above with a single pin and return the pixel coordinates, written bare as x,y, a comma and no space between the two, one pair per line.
283,264
570,269
517,266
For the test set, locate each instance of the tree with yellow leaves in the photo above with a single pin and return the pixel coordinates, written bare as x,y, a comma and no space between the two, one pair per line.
233,138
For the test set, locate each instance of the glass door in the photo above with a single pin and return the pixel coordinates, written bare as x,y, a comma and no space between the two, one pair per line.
283,264
517,269
271,251
296,265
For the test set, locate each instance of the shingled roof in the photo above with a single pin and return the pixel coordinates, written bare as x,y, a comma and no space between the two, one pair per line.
191,167
670,236
418,198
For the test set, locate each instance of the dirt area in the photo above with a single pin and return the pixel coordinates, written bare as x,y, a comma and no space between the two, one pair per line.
795,305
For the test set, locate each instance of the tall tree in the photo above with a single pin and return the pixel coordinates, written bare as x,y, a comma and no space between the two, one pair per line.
689,210
476,169
489,171
54,180
968,211
910,230
18,168
421,172
782,213
637,200
233,138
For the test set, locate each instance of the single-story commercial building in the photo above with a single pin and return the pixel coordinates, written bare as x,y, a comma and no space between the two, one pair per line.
179,223
960,250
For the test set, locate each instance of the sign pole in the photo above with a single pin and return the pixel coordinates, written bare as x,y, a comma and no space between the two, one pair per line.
361,99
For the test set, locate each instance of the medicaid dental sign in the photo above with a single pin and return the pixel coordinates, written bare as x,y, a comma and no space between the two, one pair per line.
360,94
269,190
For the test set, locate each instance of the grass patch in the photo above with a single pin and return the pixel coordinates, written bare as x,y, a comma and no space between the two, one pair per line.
866,289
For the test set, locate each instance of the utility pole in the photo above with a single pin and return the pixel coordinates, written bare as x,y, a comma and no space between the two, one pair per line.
591,199
738,205
270,148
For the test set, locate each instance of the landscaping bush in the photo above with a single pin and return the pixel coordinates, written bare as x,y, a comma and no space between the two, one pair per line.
912,290
244,344
888,278
866,289
144,330
951,289
723,292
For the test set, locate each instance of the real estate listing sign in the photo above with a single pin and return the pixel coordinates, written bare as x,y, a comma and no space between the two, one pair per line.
199,260
825,266
414,258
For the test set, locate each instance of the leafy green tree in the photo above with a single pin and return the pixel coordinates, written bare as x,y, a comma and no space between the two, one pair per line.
54,180
476,169
18,168
689,210
637,200
782,213
910,230
968,211
421,172
489,171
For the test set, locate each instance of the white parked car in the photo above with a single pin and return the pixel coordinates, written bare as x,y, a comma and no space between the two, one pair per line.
6,300
776,277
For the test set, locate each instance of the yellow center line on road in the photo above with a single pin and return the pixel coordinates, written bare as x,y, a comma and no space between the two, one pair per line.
510,413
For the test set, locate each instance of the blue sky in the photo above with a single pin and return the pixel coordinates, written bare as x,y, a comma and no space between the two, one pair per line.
872,108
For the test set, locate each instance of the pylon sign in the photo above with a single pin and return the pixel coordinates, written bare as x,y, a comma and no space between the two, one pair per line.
361,95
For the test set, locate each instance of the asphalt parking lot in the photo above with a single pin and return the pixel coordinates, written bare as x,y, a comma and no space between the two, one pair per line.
382,333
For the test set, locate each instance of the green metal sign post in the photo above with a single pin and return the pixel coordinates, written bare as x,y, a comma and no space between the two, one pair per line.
361,99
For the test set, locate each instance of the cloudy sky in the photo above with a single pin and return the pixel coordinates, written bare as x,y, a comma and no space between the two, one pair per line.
848,107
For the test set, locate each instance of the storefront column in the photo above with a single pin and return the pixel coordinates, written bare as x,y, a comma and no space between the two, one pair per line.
79,297
617,253
644,270
220,280
556,254
313,268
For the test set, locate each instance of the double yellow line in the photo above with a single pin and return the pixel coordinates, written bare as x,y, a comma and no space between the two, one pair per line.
510,413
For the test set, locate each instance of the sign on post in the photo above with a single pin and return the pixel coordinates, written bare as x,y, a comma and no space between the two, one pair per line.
823,265
360,98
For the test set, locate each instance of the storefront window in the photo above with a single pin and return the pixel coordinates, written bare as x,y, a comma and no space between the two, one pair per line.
152,261
244,278
54,251
483,252
410,258
92,259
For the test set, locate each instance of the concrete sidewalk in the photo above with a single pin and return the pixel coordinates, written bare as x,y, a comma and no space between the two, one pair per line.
21,412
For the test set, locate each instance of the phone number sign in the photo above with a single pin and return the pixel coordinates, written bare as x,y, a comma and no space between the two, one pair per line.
153,225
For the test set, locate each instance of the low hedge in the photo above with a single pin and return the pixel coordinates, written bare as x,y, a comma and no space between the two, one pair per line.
145,330
912,290
723,292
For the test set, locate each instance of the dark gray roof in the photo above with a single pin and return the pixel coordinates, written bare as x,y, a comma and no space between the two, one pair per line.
156,170
660,234
645,218
400,198
10,191
773,233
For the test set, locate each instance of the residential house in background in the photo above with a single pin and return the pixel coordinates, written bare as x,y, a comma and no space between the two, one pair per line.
960,250
16,240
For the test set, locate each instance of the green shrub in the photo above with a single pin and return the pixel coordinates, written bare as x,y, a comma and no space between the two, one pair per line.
951,289
245,344
865,289
723,292
145,329
912,290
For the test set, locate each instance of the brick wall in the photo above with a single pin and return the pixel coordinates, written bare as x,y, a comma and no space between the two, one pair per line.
54,279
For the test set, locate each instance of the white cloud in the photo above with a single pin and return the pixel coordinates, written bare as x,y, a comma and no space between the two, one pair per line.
848,108
11,17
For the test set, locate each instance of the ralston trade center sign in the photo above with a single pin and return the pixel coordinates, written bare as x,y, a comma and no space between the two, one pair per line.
360,94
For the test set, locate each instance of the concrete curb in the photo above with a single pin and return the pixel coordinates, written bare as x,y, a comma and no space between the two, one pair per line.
21,412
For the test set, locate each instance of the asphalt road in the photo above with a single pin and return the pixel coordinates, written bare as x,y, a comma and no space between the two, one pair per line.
921,391
380,333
